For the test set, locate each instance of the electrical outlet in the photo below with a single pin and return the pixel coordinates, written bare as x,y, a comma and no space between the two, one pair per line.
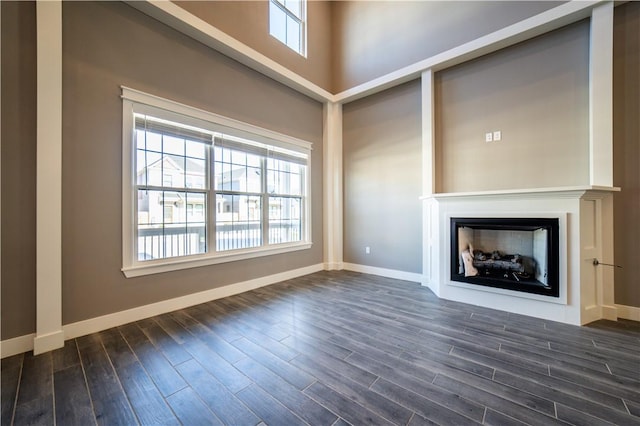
367,250
488,137
497,135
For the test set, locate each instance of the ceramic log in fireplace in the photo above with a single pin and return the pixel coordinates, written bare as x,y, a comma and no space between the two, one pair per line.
519,254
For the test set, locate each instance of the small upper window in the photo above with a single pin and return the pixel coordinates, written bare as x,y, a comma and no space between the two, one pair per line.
287,23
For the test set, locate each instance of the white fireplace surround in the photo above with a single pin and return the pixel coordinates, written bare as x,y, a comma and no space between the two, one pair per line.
585,219
586,212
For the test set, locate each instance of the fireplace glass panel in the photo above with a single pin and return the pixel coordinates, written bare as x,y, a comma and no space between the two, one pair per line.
519,254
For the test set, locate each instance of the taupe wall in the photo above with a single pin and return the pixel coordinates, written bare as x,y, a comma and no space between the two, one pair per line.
626,149
382,179
18,168
373,38
352,42
99,55
537,94
109,44
248,22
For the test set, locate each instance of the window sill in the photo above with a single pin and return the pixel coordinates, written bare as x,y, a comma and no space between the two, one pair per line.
179,263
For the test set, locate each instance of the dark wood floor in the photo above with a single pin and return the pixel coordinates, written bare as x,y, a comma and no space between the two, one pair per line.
333,348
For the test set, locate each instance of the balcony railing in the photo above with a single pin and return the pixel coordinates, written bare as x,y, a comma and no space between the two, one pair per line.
158,243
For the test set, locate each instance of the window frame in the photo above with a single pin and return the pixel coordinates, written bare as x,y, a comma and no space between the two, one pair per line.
140,102
302,21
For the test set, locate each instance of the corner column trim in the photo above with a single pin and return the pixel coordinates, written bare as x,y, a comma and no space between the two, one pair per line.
332,191
601,96
429,184
49,334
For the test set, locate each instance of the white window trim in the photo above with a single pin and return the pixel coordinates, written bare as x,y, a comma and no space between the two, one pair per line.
131,266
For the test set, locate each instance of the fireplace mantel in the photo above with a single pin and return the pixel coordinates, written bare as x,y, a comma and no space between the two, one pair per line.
570,191
586,233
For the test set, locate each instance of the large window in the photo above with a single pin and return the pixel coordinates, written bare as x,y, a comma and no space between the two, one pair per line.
201,189
287,23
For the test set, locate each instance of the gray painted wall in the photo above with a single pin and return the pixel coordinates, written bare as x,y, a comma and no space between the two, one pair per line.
248,22
382,179
105,45
352,42
108,44
18,168
626,150
537,94
373,38
111,44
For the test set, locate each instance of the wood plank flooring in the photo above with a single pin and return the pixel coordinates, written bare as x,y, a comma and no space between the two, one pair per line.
333,348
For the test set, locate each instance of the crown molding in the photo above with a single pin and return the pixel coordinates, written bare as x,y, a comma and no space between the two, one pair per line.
179,19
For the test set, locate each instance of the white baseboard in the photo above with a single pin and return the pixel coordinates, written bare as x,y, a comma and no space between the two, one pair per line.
17,345
388,273
629,312
20,344
47,342
93,325
610,312
82,328
333,266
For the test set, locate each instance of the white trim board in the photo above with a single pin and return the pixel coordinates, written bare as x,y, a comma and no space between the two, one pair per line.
528,28
179,19
17,345
383,272
628,312
332,192
82,328
24,343
220,122
49,177
601,96
196,28
21,344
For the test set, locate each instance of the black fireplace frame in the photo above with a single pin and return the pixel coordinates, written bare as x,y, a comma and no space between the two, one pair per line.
552,225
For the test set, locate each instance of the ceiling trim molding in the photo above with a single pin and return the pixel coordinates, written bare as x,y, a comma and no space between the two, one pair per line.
196,28
185,22
526,29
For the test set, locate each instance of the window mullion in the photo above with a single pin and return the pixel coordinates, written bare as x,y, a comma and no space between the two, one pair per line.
164,236
133,196
212,202
171,189
248,194
304,212
265,204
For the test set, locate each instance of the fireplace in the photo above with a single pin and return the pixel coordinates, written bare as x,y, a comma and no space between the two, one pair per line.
517,254
573,226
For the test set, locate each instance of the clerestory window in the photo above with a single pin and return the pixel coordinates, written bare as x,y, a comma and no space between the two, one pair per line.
200,189
287,23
